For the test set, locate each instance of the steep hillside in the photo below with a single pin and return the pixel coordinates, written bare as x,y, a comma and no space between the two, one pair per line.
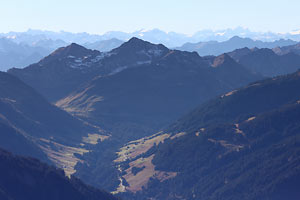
254,159
242,145
34,125
243,103
14,141
29,111
27,179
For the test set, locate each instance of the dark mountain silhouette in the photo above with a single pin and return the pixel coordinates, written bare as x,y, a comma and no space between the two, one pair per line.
217,48
27,179
242,145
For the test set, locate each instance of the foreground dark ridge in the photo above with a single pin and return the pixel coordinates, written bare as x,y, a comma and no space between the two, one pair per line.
29,179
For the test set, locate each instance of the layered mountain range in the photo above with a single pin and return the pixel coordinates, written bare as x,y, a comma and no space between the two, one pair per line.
111,119
130,85
217,48
21,49
170,39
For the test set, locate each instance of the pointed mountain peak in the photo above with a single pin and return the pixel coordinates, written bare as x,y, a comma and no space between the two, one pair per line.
236,38
222,59
136,44
72,50
239,39
135,39
74,45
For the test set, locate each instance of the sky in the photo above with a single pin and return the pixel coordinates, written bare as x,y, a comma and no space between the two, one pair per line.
183,16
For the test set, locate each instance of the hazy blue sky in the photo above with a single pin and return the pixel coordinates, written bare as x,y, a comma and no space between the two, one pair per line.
186,16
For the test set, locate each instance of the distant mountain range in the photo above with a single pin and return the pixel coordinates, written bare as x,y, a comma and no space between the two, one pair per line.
217,48
104,45
170,39
19,55
19,49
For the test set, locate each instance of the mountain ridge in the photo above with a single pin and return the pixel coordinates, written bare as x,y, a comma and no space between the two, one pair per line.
236,42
